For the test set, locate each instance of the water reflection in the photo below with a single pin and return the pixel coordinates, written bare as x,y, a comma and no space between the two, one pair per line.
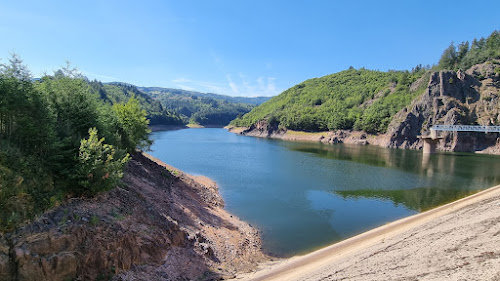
417,199
442,178
307,195
350,216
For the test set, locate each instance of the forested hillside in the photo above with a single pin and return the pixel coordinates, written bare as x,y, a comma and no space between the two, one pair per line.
250,100
352,99
363,99
120,92
60,136
203,109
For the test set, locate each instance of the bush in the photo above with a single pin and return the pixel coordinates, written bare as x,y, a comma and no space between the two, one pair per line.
97,170
133,125
25,187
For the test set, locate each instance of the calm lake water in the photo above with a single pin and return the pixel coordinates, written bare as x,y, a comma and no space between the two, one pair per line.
304,196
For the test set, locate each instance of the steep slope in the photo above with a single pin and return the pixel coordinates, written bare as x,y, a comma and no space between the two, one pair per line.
352,99
452,98
392,108
448,98
121,92
161,224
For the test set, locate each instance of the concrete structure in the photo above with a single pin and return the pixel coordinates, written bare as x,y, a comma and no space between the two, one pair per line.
431,141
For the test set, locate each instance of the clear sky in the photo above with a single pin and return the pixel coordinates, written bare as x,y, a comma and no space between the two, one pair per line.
235,47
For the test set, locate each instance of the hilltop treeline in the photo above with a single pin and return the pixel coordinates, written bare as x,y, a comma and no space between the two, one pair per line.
352,99
203,109
121,92
362,99
465,55
59,137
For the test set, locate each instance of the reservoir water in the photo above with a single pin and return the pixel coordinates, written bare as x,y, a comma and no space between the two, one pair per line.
303,196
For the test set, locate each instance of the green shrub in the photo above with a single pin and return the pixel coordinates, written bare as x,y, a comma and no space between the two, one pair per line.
133,125
98,170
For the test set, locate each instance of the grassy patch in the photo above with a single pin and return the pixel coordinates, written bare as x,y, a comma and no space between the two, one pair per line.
302,133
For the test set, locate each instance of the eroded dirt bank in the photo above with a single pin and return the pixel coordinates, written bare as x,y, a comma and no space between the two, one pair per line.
160,224
457,241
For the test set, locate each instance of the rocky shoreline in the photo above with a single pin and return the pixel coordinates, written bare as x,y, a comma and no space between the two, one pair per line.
340,136
159,224
451,98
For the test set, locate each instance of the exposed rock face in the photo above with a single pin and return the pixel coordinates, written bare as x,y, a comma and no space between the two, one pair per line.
161,224
451,98
263,129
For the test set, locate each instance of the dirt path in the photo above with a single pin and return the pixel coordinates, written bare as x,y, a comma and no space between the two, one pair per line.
457,241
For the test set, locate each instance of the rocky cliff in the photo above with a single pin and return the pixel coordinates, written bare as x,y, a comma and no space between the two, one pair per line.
451,98
160,224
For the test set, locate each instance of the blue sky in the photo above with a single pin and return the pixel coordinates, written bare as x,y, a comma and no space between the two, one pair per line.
239,48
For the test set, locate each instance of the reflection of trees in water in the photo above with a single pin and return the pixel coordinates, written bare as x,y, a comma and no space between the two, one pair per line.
418,199
470,167
449,176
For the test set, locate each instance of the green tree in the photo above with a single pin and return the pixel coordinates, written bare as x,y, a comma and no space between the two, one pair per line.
449,58
97,169
75,110
16,68
133,125
24,115
463,49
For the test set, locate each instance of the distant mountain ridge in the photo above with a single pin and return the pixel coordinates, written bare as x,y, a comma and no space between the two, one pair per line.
121,92
250,100
205,109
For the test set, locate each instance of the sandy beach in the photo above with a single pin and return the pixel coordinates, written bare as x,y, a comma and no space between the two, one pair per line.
457,241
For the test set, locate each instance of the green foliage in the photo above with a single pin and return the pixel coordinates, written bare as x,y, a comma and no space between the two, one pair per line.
98,170
464,55
94,220
45,152
361,99
121,92
203,109
449,58
133,125
247,100
26,187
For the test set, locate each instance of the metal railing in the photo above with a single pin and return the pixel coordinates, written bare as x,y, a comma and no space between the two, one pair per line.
466,128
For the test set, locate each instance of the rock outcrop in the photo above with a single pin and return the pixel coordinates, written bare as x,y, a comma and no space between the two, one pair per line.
264,129
451,98
160,224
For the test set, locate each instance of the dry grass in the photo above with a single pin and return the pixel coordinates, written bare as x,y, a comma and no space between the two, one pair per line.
301,133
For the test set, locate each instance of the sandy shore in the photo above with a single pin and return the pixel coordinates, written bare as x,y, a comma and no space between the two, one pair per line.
457,241
156,128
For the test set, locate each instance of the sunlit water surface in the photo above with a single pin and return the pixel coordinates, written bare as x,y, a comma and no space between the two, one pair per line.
303,196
